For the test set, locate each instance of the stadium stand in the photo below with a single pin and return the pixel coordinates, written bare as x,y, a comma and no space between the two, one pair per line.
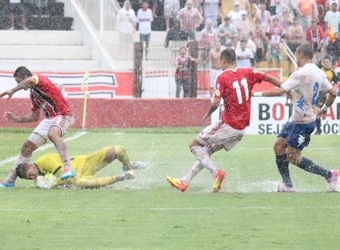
45,51
40,15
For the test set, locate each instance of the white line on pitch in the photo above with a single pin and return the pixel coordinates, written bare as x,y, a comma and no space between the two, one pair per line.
167,208
42,148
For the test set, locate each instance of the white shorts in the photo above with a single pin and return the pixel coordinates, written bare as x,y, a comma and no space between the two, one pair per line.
220,134
40,133
213,75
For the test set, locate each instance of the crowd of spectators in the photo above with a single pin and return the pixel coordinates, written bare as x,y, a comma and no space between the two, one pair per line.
257,29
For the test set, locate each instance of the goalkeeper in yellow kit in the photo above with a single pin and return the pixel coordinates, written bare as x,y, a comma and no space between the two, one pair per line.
46,170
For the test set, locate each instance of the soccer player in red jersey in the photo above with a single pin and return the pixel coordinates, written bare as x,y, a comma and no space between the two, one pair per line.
46,97
234,86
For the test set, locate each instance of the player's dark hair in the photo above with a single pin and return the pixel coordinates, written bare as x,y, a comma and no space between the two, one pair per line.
306,50
21,170
22,71
228,55
327,57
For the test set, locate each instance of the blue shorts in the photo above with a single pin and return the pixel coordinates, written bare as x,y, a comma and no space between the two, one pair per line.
297,135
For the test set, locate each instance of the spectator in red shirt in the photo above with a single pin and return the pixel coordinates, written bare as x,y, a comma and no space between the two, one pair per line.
315,36
182,78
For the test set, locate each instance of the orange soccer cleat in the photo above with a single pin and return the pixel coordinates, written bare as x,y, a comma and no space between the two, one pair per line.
218,180
177,183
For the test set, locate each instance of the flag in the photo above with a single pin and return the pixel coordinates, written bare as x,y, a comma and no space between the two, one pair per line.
330,34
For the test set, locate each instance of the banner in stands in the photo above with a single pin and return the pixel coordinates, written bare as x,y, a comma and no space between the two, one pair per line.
269,114
101,84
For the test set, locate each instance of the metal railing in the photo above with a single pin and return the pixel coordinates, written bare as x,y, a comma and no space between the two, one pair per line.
290,54
104,18
102,15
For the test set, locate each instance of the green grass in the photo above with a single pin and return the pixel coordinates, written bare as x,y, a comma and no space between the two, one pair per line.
146,213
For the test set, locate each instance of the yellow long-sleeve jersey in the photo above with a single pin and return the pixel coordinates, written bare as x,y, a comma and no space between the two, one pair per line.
85,166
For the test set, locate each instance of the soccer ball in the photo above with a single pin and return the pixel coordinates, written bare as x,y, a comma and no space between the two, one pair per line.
45,181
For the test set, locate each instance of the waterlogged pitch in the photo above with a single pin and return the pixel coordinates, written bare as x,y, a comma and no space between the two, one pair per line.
146,213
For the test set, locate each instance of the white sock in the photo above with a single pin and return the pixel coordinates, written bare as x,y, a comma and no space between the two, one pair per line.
203,156
13,175
196,168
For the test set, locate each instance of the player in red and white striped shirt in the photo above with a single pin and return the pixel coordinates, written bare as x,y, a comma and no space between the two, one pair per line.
46,97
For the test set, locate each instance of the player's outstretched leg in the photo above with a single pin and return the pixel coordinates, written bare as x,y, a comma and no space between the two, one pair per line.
103,181
330,175
182,184
195,169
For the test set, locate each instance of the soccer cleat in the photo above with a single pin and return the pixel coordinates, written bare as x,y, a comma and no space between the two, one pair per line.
284,189
177,183
218,180
133,165
68,173
333,180
6,184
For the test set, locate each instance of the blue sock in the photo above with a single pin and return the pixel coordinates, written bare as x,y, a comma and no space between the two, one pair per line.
311,167
282,165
